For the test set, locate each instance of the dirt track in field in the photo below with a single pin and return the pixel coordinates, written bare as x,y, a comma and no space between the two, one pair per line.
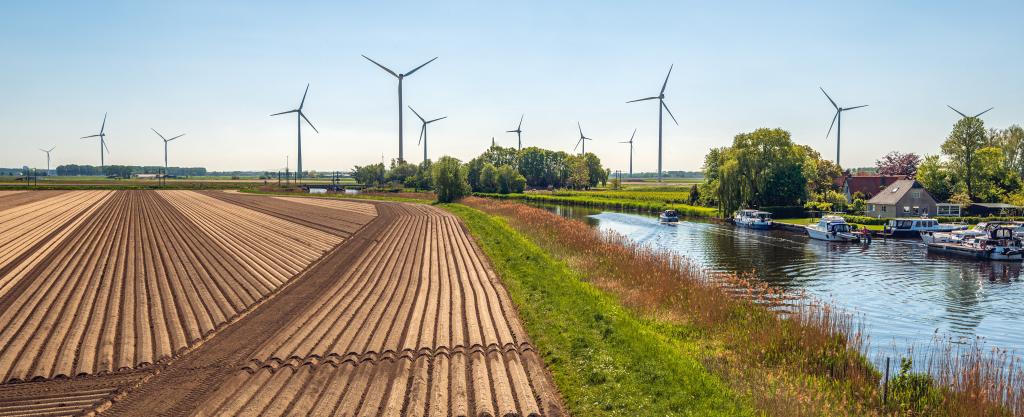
403,318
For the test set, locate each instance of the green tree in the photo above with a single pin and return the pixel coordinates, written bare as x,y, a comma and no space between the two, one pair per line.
934,175
499,156
579,172
423,178
400,171
533,166
450,182
1011,142
509,180
961,147
473,169
369,175
489,178
595,172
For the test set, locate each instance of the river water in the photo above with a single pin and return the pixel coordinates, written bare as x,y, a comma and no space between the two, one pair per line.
904,295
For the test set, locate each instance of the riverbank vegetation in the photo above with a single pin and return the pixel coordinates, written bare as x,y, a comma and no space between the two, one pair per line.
635,201
808,360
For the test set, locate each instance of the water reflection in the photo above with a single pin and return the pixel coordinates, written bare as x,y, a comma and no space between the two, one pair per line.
904,293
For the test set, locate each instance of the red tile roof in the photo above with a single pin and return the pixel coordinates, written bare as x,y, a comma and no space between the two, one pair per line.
869,185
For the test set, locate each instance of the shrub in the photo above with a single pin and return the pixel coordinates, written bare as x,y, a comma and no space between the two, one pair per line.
510,181
450,182
489,178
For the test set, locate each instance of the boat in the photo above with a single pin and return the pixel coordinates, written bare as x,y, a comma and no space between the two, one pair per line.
669,216
979,230
753,219
913,227
999,244
833,229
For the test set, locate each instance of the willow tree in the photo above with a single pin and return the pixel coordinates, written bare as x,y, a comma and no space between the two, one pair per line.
761,168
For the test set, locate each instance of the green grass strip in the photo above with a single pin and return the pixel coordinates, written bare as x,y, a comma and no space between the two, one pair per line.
606,361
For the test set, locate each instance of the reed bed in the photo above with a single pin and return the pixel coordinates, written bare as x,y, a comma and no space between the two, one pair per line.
789,354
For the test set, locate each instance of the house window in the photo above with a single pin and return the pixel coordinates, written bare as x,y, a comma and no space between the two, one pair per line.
906,209
883,207
915,194
871,207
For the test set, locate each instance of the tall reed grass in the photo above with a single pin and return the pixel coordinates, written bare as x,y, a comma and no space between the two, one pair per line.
790,354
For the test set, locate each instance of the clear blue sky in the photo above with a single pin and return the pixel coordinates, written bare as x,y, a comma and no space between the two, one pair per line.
216,70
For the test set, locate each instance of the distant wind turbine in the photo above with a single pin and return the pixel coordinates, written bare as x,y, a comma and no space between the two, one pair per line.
583,140
423,130
48,157
518,132
165,146
661,105
400,108
299,117
966,116
103,141
837,118
630,142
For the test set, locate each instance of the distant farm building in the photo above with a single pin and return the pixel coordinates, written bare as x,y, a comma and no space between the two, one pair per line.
902,198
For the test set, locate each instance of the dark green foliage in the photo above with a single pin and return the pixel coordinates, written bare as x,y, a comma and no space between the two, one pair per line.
450,182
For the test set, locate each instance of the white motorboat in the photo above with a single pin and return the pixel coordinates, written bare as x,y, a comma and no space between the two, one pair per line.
753,219
913,227
833,229
999,244
669,216
979,230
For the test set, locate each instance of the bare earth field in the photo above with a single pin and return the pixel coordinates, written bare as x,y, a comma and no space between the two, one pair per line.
215,303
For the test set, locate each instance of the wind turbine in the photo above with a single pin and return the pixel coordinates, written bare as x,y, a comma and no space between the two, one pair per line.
519,132
48,158
423,130
165,146
966,116
299,117
103,142
838,117
661,105
630,142
583,140
400,108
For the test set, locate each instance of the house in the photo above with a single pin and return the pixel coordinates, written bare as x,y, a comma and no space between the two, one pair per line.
900,199
993,209
868,185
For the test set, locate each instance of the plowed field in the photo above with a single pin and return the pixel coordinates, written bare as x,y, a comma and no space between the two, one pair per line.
253,305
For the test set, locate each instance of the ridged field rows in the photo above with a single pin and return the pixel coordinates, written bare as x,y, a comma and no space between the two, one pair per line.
419,325
140,281
351,206
30,227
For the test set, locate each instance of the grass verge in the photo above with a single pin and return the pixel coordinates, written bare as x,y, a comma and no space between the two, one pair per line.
607,201
605,360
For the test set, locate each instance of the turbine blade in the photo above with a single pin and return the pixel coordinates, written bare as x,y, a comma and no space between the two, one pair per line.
422,130
670,113
829,98
303,102
665,84
90,136
986,111
581,128
417,114
381,66
176,137
104,123
158,134
51,149
439,118
285,112
854,107
957,111
574,148
421,66
104,143
832,125
303,115
510,131
520,127
642,99
633,136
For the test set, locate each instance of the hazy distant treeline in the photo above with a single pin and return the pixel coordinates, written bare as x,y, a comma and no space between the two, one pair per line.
127,170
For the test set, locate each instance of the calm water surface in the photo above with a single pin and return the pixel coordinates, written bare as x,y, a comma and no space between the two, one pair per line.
903,294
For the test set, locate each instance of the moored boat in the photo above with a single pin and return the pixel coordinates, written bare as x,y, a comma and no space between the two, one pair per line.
999,244
979,230
669,216
753,219
913,227
833,229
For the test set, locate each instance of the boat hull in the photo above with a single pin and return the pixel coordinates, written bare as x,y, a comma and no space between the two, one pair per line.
976,253
831,237
754,225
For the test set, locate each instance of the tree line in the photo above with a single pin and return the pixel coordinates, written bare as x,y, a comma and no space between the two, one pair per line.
126,171
496,170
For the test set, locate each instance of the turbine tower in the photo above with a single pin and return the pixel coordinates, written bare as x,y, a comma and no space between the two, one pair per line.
966,116
103,141
583,140
661,105
165,146
518,132
48,158
630,142
838,117
423,130
400,108
299,117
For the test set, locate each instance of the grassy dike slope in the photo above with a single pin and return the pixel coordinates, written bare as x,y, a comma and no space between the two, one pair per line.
605,360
